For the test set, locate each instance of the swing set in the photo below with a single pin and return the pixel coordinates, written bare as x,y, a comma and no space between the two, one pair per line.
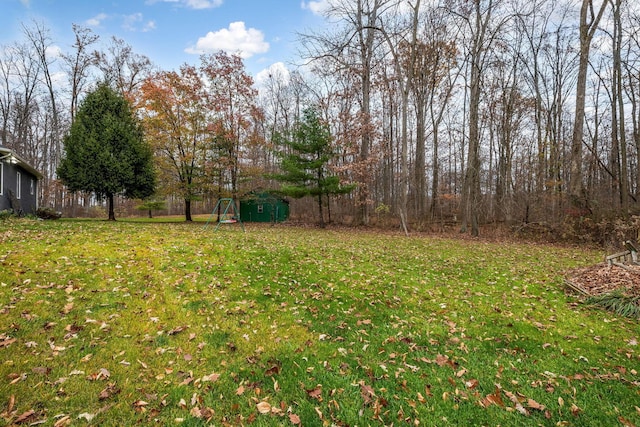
229,215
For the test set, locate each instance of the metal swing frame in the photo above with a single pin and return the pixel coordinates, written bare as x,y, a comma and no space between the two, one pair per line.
227,203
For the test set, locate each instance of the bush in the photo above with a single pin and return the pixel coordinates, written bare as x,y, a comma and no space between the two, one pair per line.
6,214
48,213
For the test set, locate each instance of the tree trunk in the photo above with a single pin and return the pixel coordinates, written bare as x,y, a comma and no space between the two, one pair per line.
187,210
112,214
619,124
588,28
320,213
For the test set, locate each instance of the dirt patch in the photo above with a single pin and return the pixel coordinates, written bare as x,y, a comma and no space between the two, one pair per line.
603,278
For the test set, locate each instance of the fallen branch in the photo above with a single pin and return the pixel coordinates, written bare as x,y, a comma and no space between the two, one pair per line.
576,287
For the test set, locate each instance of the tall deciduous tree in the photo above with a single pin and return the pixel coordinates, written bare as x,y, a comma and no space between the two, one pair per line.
234,110
105,152
484,23
305,170
589,20
355,49
122,67
176,124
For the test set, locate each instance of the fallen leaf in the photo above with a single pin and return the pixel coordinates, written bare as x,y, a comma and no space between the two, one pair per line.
494,398
87,416
471,384
212,377
6,341
516,402
535,405
461,372
575,410
295,420
264,407
64,421
315,393
11,404
67,308
177,330
442,360
625,422
367,393
24,416
42,370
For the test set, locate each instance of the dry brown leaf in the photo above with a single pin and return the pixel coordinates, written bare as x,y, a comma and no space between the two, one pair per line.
6,341
24,416
212,377
315,393
575,410
442,360
177,330
64,421
264,407
471,384
295,420
67,308
535,405
367,393
625,422
11,404
461,372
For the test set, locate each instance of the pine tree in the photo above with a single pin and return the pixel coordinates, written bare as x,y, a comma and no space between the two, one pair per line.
105,152
304,165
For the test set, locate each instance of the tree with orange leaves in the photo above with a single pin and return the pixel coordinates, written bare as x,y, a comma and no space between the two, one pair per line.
176,125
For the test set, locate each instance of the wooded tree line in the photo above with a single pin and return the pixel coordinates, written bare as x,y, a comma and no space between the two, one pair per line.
447,110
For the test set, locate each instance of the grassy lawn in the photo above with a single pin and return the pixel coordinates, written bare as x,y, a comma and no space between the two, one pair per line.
129,323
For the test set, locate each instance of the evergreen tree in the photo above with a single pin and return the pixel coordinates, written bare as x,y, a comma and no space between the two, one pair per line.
304,165
105,152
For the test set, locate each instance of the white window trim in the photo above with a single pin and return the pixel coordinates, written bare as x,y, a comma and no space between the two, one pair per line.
1,178
32,187
18,185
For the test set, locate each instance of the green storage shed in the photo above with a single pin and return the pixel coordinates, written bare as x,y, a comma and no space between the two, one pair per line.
263,207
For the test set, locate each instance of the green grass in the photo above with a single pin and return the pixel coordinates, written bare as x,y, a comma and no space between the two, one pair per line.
165,323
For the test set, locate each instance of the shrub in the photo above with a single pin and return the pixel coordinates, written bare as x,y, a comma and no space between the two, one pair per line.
48,213
6,214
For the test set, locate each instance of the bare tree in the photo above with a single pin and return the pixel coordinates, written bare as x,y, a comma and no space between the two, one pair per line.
79,63
354,48
589,20
122,67
483,23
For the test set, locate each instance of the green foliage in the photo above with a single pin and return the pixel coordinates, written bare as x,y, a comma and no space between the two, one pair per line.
305,162
140,323
104,151
6,214
617,302
152,205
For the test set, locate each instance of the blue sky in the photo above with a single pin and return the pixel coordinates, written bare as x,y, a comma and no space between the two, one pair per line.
172,32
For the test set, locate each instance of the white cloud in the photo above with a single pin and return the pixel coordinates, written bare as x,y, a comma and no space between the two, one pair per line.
135,22
192,4
236,39
277,71
53,51
317,7
96,21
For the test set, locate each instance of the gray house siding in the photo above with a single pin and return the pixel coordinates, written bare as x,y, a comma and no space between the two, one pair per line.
19,180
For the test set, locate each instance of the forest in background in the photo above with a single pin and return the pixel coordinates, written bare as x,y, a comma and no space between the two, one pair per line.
442,112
